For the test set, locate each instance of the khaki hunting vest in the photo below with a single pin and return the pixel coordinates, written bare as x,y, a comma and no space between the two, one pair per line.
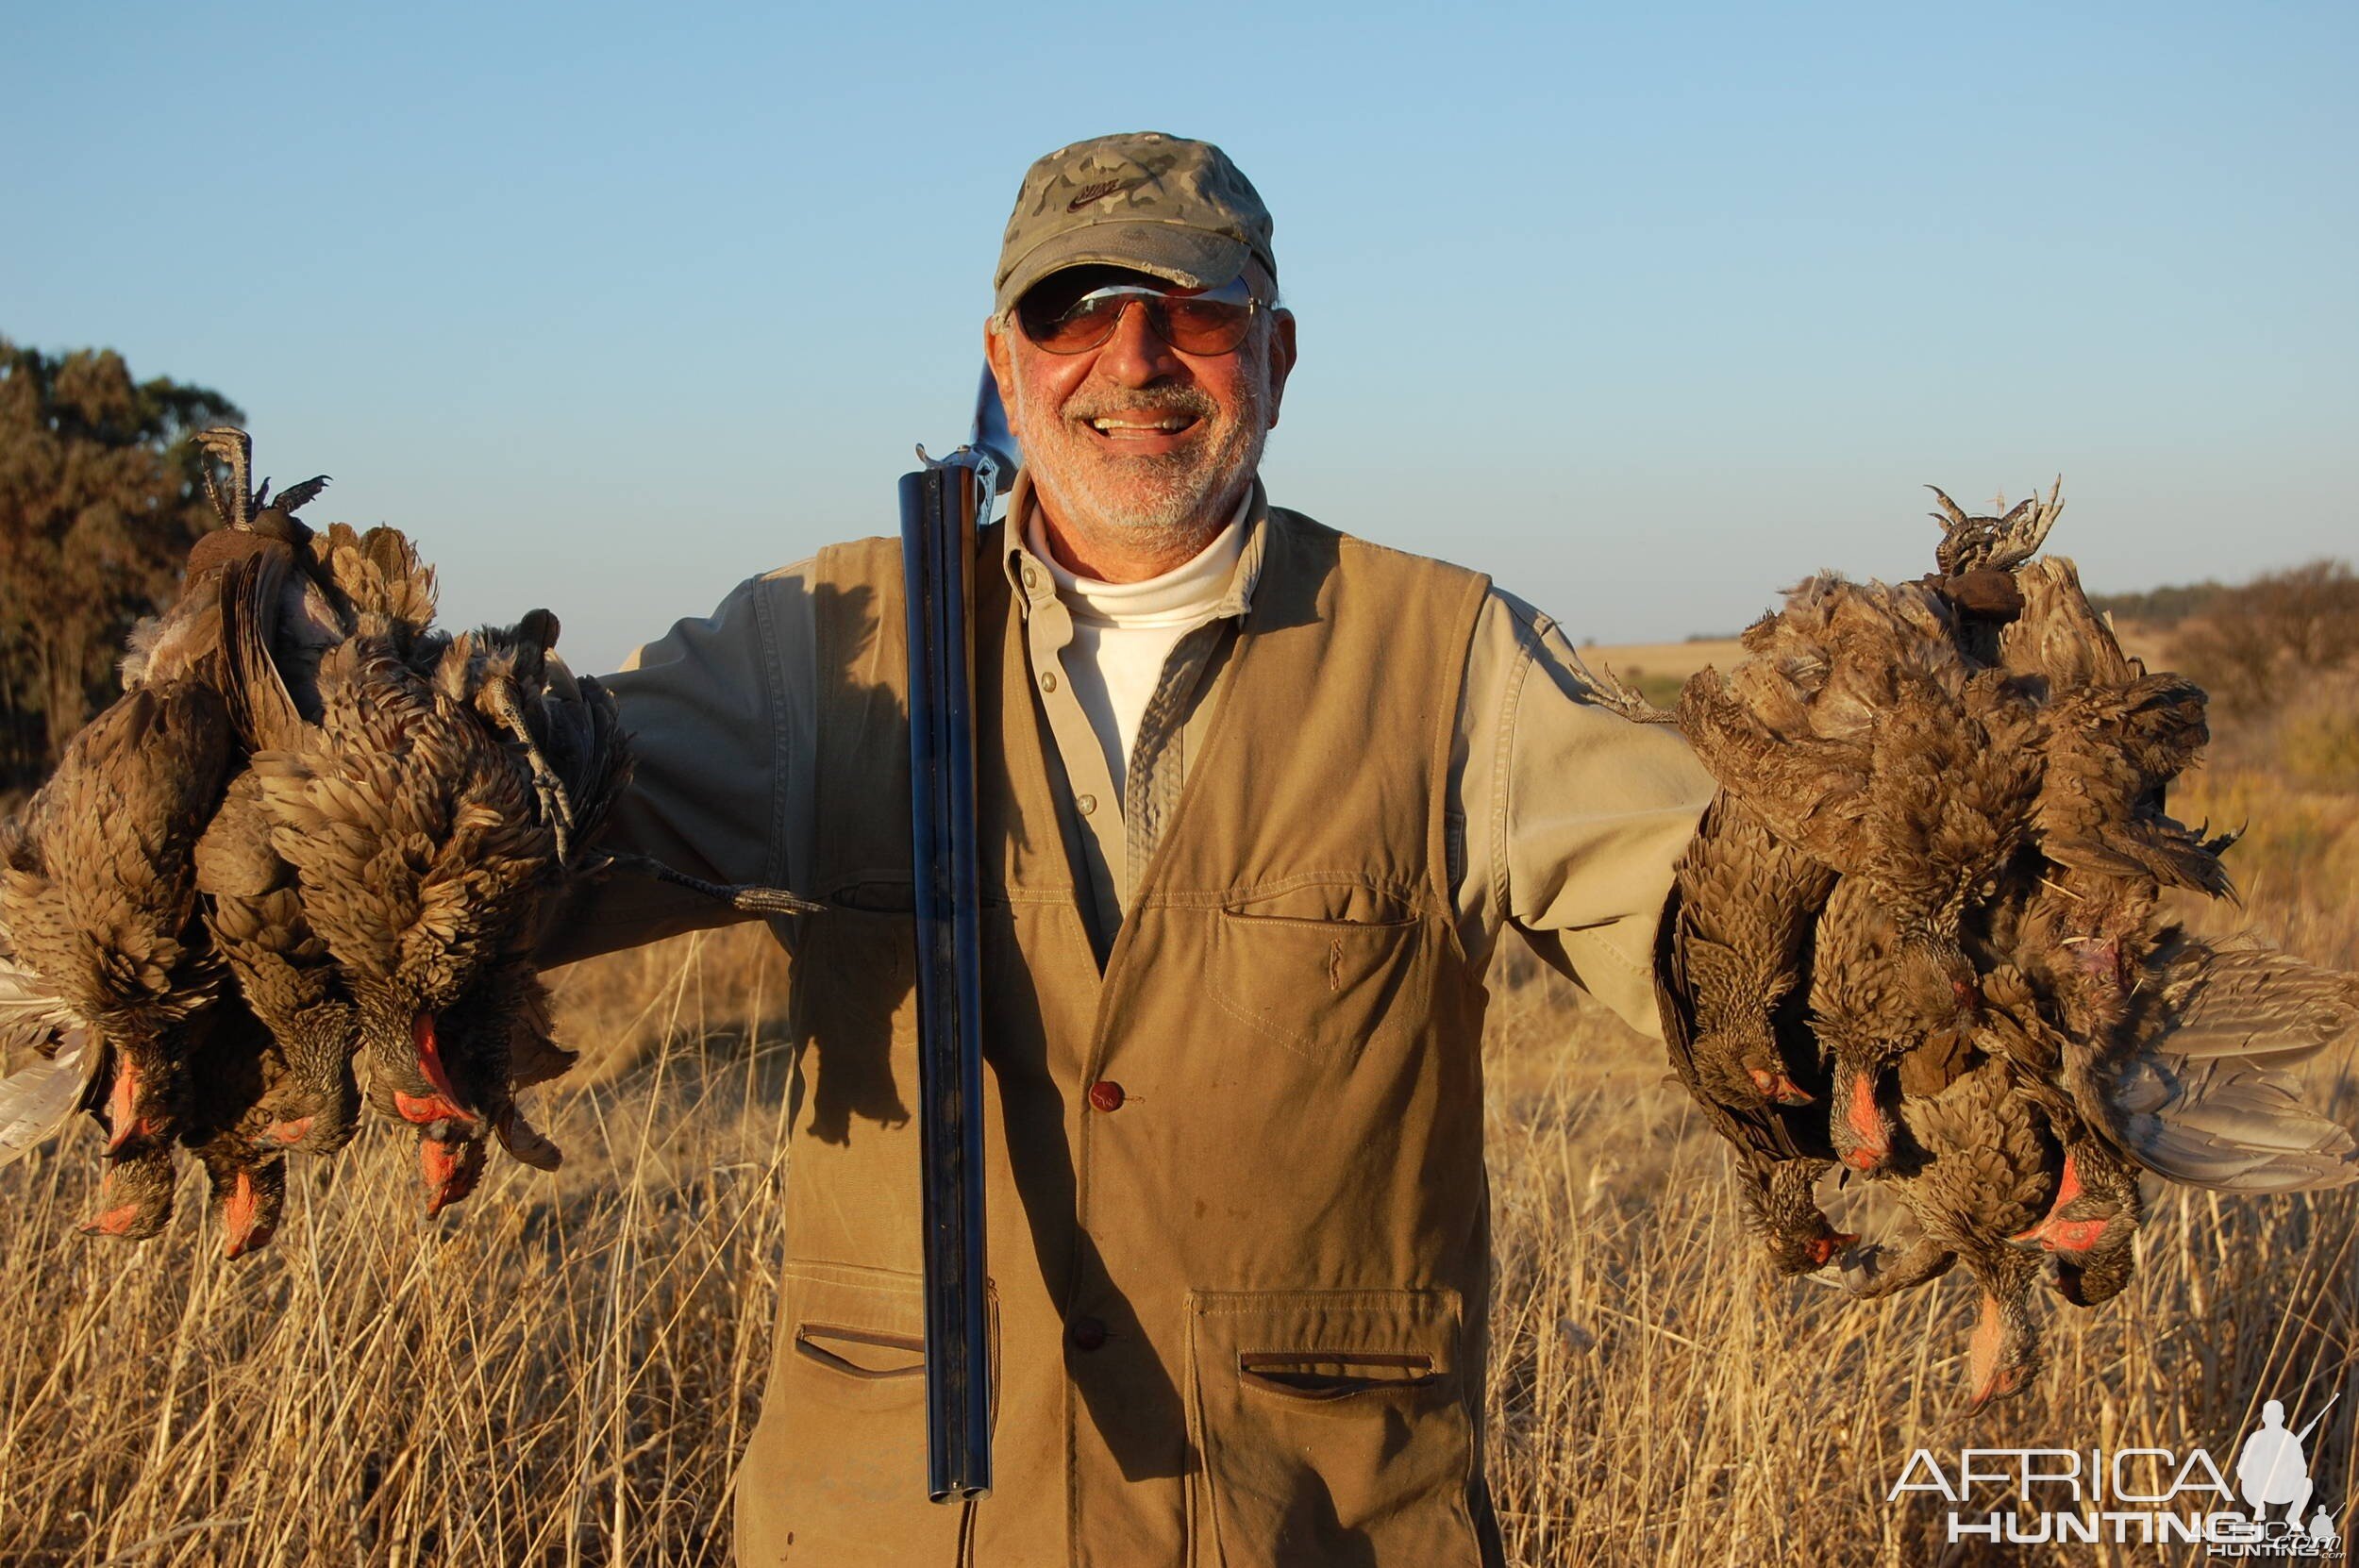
1239,1231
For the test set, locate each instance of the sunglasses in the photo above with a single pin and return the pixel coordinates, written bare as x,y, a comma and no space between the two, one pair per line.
1077,318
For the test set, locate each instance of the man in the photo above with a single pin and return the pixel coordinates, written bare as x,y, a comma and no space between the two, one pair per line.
1258,801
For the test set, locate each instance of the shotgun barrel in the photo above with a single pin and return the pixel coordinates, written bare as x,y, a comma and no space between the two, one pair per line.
943,504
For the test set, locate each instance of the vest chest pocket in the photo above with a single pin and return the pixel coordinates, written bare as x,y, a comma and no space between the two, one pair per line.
1322,989
1333,1427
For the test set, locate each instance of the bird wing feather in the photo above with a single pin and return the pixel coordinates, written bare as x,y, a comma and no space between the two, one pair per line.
38,1100
2228,1125
1759,1134
2253,1003
2201,1096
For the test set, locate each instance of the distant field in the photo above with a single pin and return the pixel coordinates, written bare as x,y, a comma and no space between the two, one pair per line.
1660,669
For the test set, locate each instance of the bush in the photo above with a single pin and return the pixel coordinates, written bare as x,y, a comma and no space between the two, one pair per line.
2255,644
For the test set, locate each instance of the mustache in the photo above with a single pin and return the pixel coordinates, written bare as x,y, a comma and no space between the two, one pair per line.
1190,401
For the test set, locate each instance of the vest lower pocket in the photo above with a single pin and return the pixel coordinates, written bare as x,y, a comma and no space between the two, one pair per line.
836,1469
1331,1427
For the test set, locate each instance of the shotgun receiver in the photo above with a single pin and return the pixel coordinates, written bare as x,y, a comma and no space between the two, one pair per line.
943,504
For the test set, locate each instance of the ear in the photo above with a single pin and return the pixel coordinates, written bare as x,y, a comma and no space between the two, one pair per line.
996,355
1282,359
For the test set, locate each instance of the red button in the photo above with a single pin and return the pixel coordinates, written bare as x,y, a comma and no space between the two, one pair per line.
1087,1333
1106,1095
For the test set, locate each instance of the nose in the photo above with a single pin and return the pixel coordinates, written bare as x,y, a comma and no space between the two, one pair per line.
1136,355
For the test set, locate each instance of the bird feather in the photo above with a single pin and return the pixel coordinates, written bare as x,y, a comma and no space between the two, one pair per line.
37,1100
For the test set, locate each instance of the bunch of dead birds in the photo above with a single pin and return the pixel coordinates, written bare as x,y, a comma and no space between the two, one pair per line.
297,867
1923,933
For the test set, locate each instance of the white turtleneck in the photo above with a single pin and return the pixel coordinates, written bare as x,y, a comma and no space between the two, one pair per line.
1123,632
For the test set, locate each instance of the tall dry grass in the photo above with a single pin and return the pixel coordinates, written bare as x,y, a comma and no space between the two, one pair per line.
563,1369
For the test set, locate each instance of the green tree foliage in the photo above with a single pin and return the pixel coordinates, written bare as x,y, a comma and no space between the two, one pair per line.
100,497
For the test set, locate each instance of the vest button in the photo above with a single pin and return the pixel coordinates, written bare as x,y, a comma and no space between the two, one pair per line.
1106,1095
1086,1333
1048,680
1085,803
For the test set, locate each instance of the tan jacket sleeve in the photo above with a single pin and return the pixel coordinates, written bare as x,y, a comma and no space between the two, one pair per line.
1573,814
712,710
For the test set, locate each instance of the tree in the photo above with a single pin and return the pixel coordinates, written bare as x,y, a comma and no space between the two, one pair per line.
100,498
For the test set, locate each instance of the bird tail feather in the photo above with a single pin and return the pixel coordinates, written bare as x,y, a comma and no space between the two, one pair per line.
261,708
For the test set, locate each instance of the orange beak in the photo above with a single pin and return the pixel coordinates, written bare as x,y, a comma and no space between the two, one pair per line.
2061,1235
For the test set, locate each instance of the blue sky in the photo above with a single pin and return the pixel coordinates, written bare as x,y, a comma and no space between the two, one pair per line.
1646,311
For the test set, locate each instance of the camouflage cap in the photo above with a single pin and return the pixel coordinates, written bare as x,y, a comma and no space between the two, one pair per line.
1161,204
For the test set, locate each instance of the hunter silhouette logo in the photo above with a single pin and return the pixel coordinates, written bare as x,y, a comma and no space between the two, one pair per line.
2272,1472
1099,191
2138,1496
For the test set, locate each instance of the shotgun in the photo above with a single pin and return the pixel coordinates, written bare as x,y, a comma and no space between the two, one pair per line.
943,504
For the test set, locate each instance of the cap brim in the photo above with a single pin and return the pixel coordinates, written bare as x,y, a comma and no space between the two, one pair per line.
1190,257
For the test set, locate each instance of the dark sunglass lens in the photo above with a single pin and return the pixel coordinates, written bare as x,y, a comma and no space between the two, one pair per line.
1063,324
1203,325
1087,325
1073,312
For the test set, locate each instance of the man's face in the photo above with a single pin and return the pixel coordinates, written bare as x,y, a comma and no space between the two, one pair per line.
1135,447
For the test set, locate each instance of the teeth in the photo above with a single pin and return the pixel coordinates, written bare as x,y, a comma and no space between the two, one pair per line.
1172,423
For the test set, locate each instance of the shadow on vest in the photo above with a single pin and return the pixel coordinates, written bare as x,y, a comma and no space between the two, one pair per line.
855,972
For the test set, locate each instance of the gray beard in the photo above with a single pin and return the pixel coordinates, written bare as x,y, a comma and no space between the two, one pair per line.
1166,505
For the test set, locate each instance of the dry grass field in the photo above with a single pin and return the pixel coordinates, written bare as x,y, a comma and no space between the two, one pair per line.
561,1370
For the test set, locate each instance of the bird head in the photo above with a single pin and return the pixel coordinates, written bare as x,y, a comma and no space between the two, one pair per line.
1739,1064
1783,1210
249,1198
144,1100
1858,1125
135,1198
2003,1355
2098,1278
451,1167
316,1103
441,1102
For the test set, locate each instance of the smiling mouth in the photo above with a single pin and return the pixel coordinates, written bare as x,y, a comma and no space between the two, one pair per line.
1141,426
